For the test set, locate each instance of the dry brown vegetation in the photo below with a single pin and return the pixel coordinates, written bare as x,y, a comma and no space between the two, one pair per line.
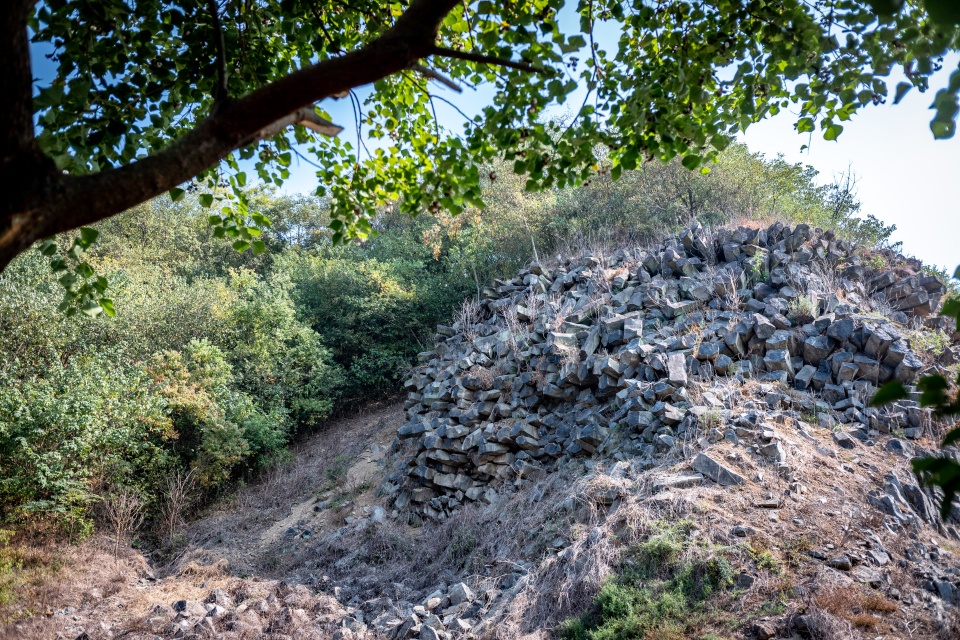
855,604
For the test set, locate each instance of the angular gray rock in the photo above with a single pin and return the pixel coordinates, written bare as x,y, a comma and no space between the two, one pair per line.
460,593
717,472
677,369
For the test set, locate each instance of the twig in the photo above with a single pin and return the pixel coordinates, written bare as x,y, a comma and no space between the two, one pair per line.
220,95
358,116
436,122
307,160
307,117
435,75
456,108
482,59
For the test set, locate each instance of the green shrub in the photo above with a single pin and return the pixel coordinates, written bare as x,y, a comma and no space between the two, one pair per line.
802,309
662,591
86,425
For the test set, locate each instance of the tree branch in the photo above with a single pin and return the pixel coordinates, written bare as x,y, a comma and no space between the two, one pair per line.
482,59
434,75
307,117
64,202
221,94
16,81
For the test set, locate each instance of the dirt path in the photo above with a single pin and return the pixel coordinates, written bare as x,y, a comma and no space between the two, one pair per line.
332,476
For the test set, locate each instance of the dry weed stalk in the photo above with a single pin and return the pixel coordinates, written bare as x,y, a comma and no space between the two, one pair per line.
124,510
823,281
558,306
176,501
469,318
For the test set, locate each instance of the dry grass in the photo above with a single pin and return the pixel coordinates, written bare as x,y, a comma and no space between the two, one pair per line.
48,576
486,376
855,604
234,527
468,319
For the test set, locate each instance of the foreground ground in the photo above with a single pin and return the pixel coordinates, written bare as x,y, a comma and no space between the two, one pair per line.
268,562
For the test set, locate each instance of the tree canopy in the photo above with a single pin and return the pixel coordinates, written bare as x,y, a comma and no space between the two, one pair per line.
146,95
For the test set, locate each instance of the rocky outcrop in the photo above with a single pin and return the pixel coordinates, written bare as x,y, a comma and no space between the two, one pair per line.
568,361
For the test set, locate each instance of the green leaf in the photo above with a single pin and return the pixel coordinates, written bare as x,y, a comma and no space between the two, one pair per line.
933,391
952,437
91,308
832,132
206,200
107,305
890,392
88,236
241,245
84,270
691,161
902,89
951,308
941,472
259,247
945,13
48,248
942,130
805,125
885,7
176,194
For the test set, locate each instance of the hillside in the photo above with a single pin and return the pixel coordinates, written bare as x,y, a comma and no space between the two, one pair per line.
667,441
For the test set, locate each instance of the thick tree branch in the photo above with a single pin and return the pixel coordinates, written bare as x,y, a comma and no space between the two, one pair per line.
66,203
482,59
19,156
16,101
23,168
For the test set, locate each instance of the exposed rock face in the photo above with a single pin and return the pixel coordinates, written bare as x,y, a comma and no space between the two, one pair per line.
559,359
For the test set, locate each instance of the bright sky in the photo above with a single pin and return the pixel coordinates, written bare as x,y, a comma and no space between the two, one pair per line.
905,177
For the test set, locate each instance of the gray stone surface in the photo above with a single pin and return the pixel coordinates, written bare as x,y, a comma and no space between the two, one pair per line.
717,472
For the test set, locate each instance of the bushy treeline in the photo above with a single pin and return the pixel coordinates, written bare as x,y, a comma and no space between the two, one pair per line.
216,359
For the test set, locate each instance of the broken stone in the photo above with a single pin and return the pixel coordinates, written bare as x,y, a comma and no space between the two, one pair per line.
717,472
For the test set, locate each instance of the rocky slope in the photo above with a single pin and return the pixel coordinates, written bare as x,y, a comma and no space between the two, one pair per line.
666,419
555,362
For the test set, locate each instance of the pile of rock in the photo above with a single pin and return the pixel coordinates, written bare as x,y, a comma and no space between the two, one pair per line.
442,614
557,360
269,608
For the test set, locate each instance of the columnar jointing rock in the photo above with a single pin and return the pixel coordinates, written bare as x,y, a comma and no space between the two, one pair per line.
557,357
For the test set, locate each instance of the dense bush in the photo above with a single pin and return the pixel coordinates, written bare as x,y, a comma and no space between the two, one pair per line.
216,359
